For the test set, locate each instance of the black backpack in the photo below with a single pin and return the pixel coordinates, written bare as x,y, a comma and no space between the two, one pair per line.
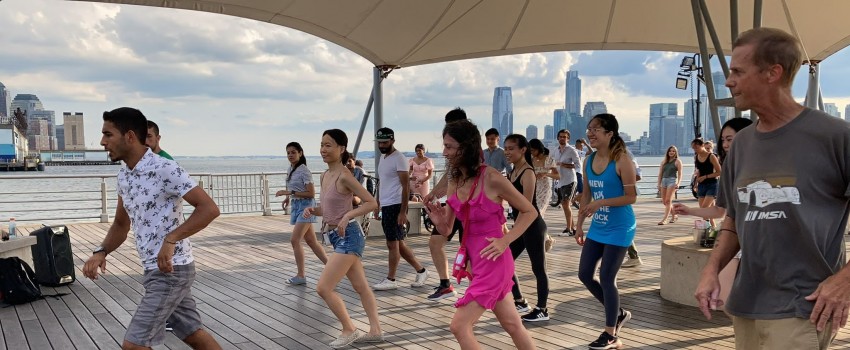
17,282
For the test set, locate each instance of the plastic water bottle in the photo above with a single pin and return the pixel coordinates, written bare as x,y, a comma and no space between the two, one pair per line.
12,226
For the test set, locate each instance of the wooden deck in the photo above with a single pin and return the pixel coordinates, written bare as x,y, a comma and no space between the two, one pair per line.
243,261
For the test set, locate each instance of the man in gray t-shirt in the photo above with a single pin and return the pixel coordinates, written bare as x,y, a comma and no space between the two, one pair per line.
786,208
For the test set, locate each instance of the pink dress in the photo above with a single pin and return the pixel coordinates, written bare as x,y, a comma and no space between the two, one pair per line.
421,171
491,279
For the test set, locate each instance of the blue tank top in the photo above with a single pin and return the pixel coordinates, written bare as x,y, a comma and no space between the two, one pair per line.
610,225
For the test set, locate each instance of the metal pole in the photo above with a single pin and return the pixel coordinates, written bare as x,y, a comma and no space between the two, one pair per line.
714,39
365,120
698,120
378,95
104,215
757,7
733,19
267,206
709,82
812,91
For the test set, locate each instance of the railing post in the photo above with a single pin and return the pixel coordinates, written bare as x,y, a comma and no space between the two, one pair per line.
104,215
267,208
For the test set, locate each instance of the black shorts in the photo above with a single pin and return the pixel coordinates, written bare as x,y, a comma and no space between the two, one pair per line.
389,222
566,192
457,228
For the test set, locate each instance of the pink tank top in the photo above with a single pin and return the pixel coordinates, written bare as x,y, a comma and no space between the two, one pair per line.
334,204
482,215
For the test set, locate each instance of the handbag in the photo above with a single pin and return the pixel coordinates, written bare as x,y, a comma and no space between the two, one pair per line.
459,268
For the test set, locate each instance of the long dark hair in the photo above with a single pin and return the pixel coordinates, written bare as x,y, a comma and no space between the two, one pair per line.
341,139
468,137
735,124
537,145
616,147
521,142
301,161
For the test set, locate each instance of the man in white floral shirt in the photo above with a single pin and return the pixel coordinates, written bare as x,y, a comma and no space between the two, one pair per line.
151,190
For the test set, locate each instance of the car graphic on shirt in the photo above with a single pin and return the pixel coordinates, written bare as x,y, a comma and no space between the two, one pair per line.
762,194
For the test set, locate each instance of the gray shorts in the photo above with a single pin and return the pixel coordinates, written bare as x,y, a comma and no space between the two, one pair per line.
668,182
168,296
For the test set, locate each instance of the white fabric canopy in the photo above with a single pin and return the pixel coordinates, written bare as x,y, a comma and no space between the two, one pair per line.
415,32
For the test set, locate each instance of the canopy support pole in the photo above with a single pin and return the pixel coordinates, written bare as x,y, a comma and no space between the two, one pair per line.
813,93
757,8
733,21
378,97
365,120
709,82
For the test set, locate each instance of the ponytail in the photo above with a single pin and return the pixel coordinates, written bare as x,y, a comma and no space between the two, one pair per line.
617,147
345,157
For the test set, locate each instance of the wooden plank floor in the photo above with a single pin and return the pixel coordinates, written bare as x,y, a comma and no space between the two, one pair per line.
242,262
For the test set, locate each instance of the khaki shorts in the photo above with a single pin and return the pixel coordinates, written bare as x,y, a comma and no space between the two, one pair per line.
785,333
168,296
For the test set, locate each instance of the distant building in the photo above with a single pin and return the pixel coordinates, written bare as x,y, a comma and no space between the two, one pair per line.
572,100
720,91
846,111
38,136
591,109
503,111
662,121
60,137
13,144
559,120
27,103
531,132
74,134
548,133
50,117
831,109
34,109
5,101
690,128
626,137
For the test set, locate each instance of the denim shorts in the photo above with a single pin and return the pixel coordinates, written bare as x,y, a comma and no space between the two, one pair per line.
668,182
579,183
353,242
704,190
296,212
168,296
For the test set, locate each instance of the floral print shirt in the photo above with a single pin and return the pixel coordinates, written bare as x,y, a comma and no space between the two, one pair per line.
153,197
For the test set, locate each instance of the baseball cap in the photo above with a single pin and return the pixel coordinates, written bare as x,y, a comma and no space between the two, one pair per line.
385,134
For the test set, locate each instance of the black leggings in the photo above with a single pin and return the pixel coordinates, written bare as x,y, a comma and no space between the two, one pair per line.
604,289
533,240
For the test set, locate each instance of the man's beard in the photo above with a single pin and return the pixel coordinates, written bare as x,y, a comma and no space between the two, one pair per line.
385,150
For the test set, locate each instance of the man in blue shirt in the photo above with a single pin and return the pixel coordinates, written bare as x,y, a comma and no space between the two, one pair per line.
494,155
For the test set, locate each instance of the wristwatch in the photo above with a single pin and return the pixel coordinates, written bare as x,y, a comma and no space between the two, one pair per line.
292,192
100,249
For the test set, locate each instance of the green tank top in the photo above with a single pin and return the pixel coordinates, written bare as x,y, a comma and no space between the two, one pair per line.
670,170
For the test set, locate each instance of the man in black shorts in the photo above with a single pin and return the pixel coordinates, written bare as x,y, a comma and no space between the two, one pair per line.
567,160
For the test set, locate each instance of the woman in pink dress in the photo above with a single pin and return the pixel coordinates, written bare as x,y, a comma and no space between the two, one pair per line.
475,195
421,169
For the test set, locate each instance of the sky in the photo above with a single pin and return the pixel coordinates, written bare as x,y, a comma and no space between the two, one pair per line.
225,86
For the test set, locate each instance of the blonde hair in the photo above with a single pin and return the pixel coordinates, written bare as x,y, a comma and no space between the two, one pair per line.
667,158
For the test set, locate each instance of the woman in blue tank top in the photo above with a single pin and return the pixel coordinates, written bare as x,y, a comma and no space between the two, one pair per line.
609,177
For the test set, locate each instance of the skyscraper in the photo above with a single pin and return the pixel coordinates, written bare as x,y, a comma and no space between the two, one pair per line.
663,122
720,91
74,137
548,132
572,101
831,109
591,109
531,132
5,101
559,120
503,111
846,111
689,122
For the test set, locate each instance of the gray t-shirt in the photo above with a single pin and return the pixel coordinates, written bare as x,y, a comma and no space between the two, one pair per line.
496,159
788,192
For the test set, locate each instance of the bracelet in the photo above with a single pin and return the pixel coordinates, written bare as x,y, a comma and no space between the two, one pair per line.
726,229
170,242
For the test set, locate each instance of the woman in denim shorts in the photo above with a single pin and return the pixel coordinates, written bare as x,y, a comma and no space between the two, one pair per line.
338,189
299,196
669,177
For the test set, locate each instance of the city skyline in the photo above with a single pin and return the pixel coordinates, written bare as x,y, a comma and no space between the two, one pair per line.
219,85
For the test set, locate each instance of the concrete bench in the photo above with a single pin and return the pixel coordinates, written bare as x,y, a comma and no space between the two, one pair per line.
682,262
20,247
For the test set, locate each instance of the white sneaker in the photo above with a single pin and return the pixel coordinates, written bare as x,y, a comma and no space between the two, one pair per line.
386,284
420,279
629,262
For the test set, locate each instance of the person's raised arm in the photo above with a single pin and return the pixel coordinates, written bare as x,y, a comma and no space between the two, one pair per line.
440,189
716,164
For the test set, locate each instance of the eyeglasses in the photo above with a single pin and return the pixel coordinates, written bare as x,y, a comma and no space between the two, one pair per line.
595,130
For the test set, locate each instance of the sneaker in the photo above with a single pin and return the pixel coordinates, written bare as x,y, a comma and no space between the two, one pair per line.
370,338
441,293
549,243
386,284
624,317
632,262
606,341
537,315
521,306
345,340
420,279
296,281
572,233
575,205
168,327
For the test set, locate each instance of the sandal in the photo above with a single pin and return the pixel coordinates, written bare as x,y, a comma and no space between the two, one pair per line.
662,222
675,217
